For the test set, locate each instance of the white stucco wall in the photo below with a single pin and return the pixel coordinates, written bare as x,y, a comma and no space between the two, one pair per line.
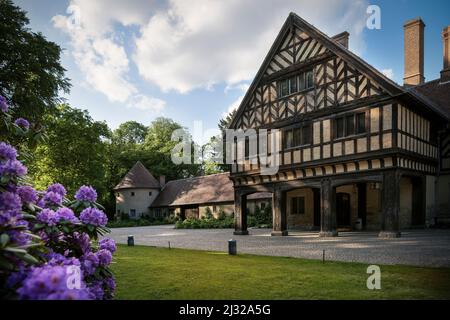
125,201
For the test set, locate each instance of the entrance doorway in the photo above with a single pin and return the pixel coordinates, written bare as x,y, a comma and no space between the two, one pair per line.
343,209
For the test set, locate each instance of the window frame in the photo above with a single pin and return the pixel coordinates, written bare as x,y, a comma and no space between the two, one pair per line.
304,81
298,205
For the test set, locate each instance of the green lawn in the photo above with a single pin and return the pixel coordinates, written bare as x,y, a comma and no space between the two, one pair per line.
162,273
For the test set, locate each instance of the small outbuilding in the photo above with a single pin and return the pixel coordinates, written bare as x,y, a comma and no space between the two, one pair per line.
137,191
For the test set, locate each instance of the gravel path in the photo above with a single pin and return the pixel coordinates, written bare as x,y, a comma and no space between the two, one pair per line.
415,247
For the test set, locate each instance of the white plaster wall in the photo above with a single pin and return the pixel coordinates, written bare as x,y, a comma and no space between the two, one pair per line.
139,202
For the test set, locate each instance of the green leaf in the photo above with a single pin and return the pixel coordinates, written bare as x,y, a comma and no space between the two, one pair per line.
4,239
15,250
5,264
28,258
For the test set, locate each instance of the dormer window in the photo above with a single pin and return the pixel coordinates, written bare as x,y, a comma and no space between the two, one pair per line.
303,81
132,194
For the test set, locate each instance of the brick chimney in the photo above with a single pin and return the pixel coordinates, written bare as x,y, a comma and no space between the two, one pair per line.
162,181
445,73
414,43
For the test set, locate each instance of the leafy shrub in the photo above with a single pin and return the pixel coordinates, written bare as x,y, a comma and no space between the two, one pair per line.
222,215
45,237
212,223
208,214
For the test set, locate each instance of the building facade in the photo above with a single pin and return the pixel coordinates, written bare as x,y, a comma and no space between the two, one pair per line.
136,192
140,194
356,147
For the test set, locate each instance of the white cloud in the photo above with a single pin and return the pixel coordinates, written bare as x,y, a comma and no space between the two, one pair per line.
147,103
181,45
98,51
198,43
388,73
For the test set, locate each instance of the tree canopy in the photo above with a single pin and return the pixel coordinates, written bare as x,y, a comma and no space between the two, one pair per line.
31,74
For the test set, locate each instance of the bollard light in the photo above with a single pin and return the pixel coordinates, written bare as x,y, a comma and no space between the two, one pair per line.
130,240
232,249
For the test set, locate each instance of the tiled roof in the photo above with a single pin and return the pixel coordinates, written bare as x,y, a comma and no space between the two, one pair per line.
438,92
138,177
213,188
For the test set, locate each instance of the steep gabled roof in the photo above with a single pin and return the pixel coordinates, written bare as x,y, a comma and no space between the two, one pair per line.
215,188
391,87
138,177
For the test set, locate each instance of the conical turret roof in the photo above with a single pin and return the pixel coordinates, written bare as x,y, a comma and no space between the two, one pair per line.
138,177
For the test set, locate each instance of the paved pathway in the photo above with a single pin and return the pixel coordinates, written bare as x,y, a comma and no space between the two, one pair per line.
415,247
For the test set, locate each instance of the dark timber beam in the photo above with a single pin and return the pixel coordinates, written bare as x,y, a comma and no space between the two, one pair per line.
240,213
279,213
328,209
390,205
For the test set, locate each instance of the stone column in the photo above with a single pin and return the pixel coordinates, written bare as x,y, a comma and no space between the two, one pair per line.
390,205
240,213
279,213
327,209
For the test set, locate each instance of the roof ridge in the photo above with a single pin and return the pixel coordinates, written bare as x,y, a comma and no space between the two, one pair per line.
198,177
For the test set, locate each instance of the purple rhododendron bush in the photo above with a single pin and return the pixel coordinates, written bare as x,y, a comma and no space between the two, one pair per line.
49,244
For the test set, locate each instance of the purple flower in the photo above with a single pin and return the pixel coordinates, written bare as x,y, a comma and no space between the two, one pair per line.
110,283
13,168
66,214
96,291
3,104
94,217
27,194
19,237
17,277
107,244
86,193
7,152
83,241
50,283
10,218
10,201
21,122
47,216
104,257
57,188
57,259
52,198
89,262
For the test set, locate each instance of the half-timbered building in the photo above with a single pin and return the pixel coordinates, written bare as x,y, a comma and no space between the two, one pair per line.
356,147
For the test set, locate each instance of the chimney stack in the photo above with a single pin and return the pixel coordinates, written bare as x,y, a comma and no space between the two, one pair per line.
445,73
342,38
162,181
414,43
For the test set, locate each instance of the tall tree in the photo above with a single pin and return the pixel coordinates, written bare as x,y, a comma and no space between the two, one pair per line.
31,75
130,132
158,147
225,122
73,153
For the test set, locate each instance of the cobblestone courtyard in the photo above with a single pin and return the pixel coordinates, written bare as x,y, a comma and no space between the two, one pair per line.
415,247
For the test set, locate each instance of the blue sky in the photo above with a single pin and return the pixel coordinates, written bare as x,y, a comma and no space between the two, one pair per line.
193,60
